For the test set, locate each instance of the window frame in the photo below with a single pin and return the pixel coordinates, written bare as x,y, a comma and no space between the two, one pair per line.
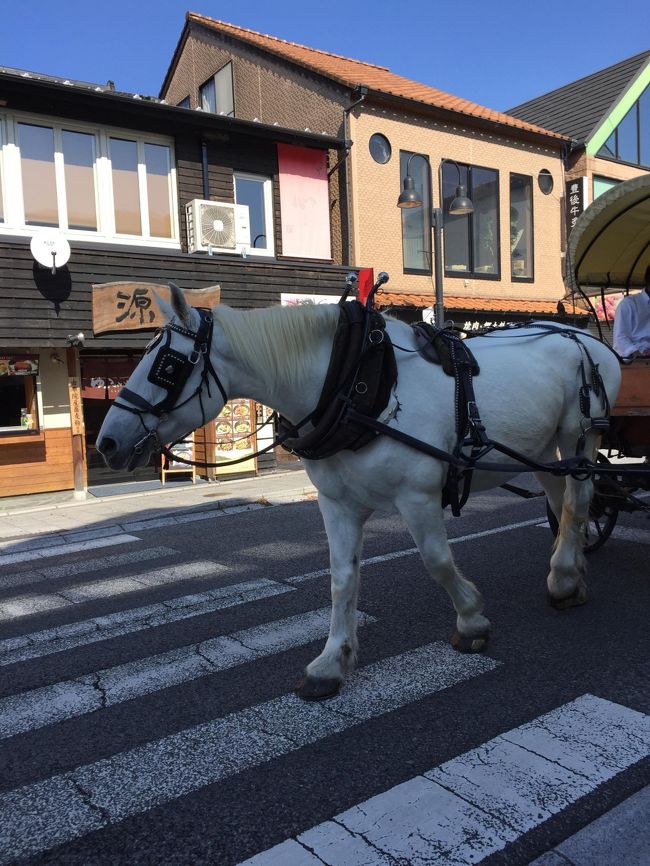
14,213
30,382
213,80
427,233
614,157
471,273
531,278
267,186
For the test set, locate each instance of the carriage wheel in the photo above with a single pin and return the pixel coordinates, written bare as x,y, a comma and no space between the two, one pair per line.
602,517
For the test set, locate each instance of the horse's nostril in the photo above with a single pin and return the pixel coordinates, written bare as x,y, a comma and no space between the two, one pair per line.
106,445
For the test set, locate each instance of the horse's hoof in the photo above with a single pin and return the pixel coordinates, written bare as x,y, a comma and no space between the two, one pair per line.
466,644
577,598
317,688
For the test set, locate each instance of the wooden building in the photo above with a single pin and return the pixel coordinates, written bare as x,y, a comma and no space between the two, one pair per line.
143,192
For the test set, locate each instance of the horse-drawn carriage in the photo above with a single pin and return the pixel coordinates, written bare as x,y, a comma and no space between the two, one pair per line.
382,428
608,253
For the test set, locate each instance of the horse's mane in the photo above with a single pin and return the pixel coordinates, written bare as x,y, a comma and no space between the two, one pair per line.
277,342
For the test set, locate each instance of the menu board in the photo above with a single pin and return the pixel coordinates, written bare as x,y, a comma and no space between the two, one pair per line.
183,449
235,437
23,365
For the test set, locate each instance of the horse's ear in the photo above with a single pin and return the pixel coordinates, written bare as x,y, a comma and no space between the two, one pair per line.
164,307
181,309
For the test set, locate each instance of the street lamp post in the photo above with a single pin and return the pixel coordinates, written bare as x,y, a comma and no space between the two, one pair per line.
461,204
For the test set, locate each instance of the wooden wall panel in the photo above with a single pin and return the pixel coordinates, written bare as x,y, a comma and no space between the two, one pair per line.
37,467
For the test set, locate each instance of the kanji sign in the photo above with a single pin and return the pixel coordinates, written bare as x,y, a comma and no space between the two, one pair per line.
131,306
575,198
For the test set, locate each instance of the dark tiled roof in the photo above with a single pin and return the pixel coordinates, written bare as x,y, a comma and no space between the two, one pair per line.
468,304
353,73
577,109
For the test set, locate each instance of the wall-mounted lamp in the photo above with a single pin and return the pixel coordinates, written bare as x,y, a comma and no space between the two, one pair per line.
75,339
461,204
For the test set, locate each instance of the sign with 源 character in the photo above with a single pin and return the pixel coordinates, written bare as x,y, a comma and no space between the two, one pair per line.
132,306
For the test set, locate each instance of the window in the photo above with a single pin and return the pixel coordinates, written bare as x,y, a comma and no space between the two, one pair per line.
416,221
471,241
545,181
379,147
18,410
602,184
521,227
184,103
217,95
85,181
40,198
630,141
256,193
79,166
2,208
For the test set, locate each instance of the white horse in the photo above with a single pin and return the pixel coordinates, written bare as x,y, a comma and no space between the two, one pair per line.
527,393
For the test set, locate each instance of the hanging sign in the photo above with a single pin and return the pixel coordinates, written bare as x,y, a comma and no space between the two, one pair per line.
130,306
575,198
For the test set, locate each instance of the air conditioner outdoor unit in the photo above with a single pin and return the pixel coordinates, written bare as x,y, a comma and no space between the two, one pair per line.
217,227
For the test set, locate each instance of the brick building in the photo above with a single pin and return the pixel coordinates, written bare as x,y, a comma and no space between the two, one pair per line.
502,260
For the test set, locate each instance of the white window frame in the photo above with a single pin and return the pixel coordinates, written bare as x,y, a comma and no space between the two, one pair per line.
267,187
213,79
3,203
14,211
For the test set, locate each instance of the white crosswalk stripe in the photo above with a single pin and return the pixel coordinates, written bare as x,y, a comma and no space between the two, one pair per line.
53,572
61,548
65,700
458,812
63,807
474,805
12,608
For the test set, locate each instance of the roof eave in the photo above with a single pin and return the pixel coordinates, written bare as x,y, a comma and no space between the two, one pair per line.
550,139
199,121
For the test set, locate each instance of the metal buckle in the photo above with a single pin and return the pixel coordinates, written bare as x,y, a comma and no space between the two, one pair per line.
194,360
376,341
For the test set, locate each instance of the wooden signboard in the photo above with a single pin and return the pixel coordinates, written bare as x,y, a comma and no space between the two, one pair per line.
131,306
76,411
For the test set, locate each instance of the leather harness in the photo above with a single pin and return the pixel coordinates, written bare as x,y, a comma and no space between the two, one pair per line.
361,375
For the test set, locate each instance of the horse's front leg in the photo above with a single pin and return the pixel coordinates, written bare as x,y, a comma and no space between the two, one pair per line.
424,517
344,527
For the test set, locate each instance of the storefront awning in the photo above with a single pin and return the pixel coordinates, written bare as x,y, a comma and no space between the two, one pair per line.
609,246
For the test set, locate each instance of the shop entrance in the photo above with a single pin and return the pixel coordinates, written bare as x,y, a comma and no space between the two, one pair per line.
102,376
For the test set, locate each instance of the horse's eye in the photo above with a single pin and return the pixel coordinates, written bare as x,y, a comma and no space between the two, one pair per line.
157,337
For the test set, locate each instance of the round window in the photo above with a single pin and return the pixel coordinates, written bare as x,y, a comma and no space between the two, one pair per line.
380,148
545,181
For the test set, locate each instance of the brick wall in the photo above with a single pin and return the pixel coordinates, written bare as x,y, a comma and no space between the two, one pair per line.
377,219
265,88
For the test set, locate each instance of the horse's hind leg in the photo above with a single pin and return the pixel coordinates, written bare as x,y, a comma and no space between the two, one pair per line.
565,582
424,519
344,527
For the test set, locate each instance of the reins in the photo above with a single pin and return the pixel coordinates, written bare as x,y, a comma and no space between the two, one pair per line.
344,405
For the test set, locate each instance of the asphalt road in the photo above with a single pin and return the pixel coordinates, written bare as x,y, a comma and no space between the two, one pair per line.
147,716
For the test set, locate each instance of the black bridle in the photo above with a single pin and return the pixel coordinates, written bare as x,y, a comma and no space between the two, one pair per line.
170,371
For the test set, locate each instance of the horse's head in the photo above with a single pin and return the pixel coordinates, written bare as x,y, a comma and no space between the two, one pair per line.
173,390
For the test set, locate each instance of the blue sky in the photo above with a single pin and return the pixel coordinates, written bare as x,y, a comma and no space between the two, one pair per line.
514,50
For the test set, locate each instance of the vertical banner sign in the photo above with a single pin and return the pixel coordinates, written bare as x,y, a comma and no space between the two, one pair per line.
76,411
575,197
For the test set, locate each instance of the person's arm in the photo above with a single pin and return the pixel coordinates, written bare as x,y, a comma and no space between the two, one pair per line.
623,343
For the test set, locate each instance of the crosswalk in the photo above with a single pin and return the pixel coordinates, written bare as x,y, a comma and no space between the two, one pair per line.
457,812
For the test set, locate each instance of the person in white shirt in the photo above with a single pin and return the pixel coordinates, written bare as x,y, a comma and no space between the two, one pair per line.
632,323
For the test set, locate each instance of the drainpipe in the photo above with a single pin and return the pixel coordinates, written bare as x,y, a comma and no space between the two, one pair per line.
204,162
362,90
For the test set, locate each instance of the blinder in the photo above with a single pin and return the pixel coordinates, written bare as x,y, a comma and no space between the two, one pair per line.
172,369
